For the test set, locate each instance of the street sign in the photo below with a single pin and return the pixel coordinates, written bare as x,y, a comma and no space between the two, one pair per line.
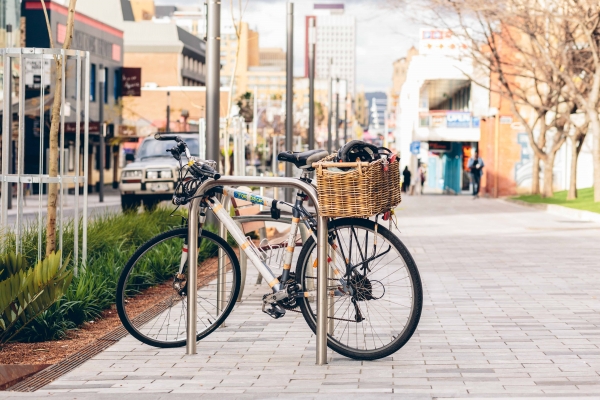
131,81
415,148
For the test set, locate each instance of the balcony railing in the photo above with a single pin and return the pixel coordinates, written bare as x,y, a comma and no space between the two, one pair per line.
448,119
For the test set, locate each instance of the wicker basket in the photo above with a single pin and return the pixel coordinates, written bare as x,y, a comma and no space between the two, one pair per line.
364,191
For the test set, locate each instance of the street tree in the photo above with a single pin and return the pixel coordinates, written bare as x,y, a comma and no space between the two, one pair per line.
526,54
54,126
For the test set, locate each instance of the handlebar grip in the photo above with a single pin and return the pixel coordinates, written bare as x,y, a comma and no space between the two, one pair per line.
158,136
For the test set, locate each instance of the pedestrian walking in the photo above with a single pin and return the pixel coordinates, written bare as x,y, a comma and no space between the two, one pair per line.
422,177
406,179
476,165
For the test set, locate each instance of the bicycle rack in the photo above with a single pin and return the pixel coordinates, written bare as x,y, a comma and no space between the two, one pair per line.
321,354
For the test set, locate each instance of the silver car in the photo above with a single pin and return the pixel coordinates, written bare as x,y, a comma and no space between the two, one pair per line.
151,178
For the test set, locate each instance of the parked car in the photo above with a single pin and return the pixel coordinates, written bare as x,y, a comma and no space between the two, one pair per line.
151,178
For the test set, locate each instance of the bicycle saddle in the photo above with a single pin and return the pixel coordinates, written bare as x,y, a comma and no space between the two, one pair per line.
304,159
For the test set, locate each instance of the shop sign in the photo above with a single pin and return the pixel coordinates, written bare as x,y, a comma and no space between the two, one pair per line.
71,127
33,73
131,81
440,146
127,130
458,119
505,120
438,121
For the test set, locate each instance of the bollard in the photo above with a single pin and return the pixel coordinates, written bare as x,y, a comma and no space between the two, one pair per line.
321,351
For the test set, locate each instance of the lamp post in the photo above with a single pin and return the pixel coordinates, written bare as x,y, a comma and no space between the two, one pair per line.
289,95
330,106
311,83
101,80
213,63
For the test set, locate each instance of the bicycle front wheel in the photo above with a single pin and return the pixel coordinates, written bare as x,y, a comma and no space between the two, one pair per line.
375,308
152,295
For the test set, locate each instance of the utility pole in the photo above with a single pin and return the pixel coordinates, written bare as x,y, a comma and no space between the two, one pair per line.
337,112
254,129
168,127
213,63
101,80
311,83
289,95
329,107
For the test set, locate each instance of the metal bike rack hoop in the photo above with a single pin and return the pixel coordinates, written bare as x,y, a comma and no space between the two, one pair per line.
321,357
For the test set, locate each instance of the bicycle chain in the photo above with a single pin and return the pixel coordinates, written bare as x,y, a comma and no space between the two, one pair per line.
334,318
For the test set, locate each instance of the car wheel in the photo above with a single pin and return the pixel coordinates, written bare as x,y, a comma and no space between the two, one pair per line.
150,203
130,203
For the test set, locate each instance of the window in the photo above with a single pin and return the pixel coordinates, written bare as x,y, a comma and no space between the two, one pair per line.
93,82
105,86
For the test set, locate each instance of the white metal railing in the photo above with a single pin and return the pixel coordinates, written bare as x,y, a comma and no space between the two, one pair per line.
32,99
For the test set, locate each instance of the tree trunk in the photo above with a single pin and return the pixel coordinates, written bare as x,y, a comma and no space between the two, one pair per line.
576,144
53,163
535,175
548,190
54,125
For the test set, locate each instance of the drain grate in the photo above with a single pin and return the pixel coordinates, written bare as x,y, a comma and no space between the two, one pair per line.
50,374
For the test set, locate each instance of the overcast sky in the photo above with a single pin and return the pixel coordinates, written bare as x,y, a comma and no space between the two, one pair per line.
383,33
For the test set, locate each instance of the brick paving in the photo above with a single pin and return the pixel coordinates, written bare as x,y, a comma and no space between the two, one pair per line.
510,310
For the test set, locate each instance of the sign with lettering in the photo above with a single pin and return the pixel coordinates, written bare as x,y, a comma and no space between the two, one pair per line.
131,81
458,119
33,73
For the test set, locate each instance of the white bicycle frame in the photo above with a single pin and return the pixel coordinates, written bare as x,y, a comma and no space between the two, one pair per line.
246,244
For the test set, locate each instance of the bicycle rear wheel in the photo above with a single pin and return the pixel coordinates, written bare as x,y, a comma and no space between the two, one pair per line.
376,311
152,298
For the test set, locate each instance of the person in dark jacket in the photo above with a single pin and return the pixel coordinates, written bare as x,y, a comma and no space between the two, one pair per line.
406,179
476,167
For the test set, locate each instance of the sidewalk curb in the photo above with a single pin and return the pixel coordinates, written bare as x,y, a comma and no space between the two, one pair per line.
13,212
560,211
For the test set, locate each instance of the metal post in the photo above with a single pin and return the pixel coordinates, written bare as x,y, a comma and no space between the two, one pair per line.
6,143
254,129
101,78
221,268
289,95
329,108
86,164
337,113
346,120
168,127
213,61
321,353
192,284
311,83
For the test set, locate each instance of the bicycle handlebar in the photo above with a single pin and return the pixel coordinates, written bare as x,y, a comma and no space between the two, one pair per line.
176,138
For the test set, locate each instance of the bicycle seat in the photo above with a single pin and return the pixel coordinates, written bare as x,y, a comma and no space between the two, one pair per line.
304,159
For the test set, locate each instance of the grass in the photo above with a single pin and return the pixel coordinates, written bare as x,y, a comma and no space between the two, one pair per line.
112,239
585,200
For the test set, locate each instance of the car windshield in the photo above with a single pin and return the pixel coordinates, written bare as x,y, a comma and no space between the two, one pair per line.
155,148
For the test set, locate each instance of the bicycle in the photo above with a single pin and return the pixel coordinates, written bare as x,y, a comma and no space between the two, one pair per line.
374,288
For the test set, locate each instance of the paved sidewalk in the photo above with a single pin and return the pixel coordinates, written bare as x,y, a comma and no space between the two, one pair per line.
510,310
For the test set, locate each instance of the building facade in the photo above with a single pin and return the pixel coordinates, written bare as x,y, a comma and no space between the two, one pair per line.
105,44
439,111
335,44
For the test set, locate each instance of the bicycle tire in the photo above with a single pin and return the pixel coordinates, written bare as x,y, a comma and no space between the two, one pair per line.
302,270
180,233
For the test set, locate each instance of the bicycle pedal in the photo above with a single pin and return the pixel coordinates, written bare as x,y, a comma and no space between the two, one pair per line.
275,311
